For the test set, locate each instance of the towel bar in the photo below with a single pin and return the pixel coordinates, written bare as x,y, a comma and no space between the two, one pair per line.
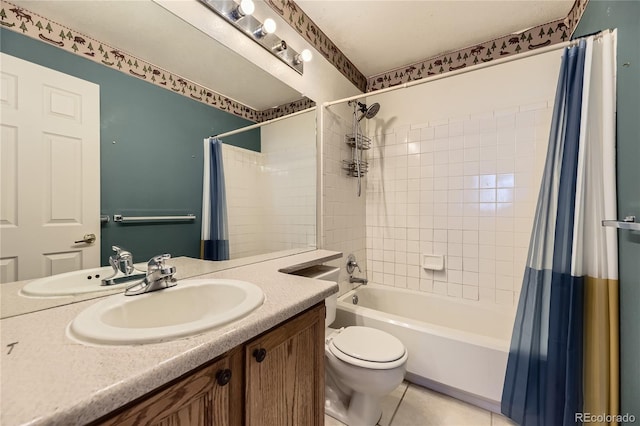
628,223
120,218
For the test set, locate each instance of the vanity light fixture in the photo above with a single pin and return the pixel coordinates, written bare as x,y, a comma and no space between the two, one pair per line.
304,56
240,16
280,46
246,7
268,27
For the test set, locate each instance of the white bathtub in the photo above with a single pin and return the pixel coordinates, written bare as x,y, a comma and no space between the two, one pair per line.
455,346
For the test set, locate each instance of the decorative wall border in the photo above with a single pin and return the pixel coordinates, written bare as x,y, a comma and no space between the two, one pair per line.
539,36
45,30
286,109
35,26
300,21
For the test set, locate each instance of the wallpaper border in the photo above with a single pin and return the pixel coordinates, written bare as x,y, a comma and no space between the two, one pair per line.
533,38
293,14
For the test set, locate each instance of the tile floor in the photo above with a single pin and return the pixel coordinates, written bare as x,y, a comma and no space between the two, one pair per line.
412,405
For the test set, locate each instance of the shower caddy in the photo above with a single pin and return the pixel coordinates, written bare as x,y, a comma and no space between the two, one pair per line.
357,166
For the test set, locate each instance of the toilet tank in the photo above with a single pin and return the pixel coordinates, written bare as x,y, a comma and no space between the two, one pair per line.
326,273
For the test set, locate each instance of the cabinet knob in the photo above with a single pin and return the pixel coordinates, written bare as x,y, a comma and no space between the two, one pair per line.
260,354
223,376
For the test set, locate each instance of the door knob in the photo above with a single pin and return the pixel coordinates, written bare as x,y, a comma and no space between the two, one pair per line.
88,238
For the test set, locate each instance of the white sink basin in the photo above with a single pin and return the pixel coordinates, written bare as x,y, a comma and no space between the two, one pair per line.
75,282
191,307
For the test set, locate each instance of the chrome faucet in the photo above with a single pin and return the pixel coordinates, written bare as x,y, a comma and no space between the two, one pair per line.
352,264
362,281
121,262
159,276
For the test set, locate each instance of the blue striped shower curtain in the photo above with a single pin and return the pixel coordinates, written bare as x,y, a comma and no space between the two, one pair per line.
214,244
563,361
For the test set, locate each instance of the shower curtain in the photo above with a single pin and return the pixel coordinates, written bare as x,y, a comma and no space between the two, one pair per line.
563,362
214,244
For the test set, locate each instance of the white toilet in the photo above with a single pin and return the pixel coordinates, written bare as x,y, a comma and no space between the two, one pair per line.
362,364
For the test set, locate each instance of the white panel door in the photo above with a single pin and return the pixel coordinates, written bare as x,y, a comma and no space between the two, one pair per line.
49,171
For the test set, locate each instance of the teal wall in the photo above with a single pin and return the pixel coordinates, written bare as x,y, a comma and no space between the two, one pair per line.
155,165
625,16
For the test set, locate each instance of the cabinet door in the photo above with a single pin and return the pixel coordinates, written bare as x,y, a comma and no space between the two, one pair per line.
285,373
200,399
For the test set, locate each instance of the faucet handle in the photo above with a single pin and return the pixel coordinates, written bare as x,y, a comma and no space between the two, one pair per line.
120,251
352,264
122,260
157,262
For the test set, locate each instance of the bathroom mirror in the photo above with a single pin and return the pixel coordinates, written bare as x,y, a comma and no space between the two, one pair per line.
151,141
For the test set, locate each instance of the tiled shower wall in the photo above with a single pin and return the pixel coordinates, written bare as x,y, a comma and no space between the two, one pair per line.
245,206
343,213
271,200
455,171
289,174
464,188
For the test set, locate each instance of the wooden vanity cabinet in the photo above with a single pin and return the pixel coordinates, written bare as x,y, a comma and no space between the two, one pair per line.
276,379
209,395
284,373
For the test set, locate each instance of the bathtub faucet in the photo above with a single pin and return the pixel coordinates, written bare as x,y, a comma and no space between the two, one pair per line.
362,281
352,264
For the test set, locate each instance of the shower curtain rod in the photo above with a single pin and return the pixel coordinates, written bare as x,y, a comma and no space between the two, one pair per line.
456,72
255,126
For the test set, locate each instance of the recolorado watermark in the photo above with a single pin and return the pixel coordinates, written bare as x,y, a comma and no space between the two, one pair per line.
604,418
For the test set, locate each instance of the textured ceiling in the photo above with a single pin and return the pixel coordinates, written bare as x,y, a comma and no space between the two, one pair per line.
381,35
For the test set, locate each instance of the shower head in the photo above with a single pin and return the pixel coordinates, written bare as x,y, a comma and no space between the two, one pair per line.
368,112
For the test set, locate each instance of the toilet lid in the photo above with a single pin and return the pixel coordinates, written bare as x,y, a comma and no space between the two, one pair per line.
368,344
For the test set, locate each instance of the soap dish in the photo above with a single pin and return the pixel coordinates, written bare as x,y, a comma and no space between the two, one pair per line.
433,261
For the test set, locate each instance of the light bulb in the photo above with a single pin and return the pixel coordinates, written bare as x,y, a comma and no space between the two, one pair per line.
269,26
246,7
304,56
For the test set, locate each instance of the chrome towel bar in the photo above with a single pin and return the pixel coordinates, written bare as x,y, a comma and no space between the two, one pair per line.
628,223
120,218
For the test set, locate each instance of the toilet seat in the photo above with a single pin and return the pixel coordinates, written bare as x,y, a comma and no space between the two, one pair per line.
367,347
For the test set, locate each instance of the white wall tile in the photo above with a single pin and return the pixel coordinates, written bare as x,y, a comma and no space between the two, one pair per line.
470,292
426,285
344,213
454,263
471,264
465,187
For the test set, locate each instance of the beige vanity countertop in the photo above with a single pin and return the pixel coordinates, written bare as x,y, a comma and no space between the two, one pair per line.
12,303
46,378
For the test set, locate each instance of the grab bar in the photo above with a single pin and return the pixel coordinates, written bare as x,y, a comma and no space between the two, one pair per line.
120,218
628,223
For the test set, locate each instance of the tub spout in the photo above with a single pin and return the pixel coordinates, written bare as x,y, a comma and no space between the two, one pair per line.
362,281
